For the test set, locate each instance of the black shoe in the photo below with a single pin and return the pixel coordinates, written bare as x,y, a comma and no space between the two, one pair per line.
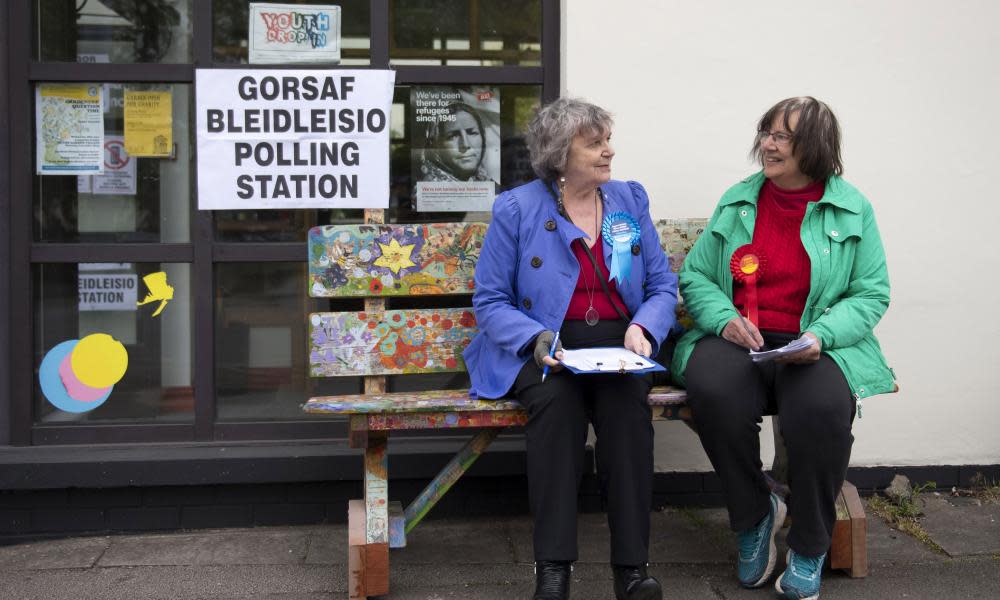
632,583
552,580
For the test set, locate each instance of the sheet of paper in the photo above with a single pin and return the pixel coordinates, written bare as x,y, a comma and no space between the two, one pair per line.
611,360
790,348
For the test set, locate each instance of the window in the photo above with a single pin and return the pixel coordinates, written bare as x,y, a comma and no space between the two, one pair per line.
226,356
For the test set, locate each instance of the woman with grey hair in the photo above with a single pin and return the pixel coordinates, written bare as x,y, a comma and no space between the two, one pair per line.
573,259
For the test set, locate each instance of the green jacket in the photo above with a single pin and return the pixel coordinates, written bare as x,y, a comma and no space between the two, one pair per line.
849,282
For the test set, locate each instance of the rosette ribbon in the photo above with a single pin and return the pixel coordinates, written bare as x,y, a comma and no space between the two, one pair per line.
747,266
620,230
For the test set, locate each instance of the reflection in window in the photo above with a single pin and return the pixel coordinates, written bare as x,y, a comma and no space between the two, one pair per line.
469,32
113,31
73,301
231,19
261,333
137,199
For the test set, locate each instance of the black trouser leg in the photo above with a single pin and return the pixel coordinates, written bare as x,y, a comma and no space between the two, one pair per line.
728,396
815,410
556,438
623,425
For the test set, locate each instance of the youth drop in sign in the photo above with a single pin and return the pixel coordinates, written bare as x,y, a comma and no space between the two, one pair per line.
293,138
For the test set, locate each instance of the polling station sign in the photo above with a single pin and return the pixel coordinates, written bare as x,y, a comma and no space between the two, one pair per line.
293,138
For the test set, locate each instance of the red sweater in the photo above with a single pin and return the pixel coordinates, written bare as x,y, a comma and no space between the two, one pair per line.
784,282
580,301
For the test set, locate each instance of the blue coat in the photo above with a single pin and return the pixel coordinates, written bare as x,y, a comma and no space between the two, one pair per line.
517,297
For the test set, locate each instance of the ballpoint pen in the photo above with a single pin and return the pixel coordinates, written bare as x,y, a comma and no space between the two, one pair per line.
745,326
552,354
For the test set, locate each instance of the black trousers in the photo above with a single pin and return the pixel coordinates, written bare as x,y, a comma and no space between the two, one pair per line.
559,411
729,395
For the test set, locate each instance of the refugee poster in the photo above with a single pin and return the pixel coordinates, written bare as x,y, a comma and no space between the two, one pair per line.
455,147
69,129
293,34
149,122
293,138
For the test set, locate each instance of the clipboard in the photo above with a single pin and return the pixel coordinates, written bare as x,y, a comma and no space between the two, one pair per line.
608,360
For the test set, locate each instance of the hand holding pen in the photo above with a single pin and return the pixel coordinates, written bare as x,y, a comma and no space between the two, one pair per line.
744,333
546,347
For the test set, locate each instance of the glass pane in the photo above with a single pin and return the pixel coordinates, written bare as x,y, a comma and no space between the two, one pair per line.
113,31
261,333
232,24
137,199
517,105
466,32
156,377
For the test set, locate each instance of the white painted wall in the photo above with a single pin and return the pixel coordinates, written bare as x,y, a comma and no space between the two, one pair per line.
915,86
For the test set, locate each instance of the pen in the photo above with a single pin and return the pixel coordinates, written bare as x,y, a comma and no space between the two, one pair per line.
552,354
745,326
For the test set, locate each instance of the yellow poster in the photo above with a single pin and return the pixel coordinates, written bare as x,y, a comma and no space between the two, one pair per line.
148,122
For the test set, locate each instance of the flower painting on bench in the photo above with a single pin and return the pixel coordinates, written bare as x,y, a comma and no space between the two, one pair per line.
393,260
389,342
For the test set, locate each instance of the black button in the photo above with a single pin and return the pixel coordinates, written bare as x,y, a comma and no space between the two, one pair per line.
635,249
550,225
526,303
536,262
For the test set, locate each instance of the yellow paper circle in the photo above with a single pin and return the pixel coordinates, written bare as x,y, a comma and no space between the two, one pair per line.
99,360
749,264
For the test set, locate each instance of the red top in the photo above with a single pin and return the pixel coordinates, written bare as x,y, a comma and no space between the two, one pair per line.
580,301
784,282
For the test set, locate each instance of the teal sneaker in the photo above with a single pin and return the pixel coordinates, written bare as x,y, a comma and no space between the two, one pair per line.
800,581
757,551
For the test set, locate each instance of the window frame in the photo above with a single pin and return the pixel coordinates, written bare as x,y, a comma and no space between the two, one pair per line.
18,75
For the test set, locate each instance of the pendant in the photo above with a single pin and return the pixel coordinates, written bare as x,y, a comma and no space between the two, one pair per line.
592,316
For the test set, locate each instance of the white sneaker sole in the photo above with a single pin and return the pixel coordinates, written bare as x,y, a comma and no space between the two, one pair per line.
772,550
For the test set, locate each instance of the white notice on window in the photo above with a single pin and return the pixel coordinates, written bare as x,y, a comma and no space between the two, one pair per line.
455,196
110,291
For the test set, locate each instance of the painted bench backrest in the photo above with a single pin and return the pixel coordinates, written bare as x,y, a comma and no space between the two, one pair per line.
411,260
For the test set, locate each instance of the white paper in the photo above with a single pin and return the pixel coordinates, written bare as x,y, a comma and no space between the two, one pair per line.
119,169
613,360
69,128
790,348
289,138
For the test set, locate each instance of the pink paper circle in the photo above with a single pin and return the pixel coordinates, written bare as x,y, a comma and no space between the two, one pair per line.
76,389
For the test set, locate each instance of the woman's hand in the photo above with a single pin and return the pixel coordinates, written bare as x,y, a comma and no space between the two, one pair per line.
543,345
743,333
806,356
635,340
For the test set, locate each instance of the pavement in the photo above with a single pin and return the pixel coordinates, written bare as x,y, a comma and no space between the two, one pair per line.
692,552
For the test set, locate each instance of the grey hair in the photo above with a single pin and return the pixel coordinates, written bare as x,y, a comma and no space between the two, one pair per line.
552,131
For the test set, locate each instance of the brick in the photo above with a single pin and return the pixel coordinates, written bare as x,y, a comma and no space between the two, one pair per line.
288,514
178,495
104,498
144,518
323,492
15,520
202,517
673,483
250,494
34,498
61,520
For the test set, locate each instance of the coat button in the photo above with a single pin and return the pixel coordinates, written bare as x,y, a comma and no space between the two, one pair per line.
826,250
536,262
550,225
743,213
526,303
835,233
635,249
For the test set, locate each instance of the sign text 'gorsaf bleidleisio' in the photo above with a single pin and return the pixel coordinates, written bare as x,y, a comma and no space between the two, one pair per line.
293,138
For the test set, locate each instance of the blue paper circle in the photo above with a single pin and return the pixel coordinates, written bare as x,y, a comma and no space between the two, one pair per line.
52,386
620,228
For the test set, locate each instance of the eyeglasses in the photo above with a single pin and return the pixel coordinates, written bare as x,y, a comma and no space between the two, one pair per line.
780,137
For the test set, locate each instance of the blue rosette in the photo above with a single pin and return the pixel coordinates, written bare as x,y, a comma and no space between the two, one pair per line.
621,231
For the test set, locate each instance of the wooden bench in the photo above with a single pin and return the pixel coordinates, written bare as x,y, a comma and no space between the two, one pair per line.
375,262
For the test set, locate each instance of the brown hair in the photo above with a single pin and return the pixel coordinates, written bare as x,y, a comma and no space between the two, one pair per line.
815,141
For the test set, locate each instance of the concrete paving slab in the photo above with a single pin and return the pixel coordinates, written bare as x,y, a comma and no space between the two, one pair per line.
328,546
961,527
218,582
73,553
690,536
888,546
244,547
593,538
456,541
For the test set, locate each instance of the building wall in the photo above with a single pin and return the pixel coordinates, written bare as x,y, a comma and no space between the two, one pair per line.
913,84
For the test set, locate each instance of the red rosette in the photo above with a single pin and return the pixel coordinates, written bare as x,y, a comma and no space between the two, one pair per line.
747,266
